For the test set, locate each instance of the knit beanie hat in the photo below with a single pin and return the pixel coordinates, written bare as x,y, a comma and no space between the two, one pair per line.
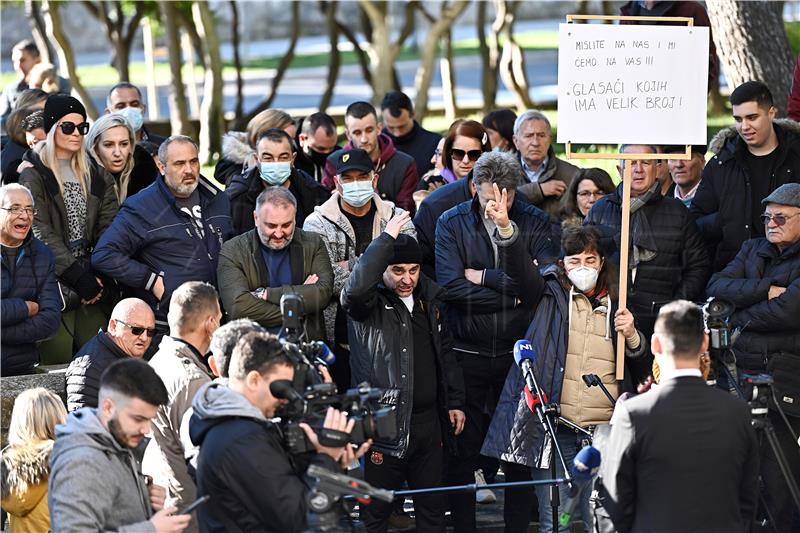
59,105
406,251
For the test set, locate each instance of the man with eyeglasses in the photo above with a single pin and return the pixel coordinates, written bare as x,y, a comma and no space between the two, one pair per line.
754,157
354,215
763,282
668,259
545,177
30,307
180,362
129,334
276,168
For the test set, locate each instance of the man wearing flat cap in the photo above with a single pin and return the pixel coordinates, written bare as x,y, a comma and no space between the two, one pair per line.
399,342
763,283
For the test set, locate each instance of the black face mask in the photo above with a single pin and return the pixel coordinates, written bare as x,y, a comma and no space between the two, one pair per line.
317,157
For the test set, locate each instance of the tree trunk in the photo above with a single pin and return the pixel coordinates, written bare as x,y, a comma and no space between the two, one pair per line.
422,81
39,31
329,10
237,61
65,55
280,72
185,18
752,45
178,113
361,55
119,35
489,68
212,121
448,77
512,61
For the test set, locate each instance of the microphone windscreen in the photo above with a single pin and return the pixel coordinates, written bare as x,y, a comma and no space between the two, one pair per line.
325,353
586,463
523,349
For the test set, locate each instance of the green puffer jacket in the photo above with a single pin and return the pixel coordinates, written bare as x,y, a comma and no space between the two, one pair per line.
241,271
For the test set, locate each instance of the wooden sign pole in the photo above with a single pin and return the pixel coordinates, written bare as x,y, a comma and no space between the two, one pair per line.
623,261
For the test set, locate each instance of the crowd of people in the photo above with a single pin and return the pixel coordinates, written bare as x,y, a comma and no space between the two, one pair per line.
421,259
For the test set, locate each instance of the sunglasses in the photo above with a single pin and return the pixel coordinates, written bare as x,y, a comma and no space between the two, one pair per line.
458,154
779,220
68,127
138,330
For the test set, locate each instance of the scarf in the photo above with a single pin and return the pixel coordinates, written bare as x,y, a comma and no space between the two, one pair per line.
642,237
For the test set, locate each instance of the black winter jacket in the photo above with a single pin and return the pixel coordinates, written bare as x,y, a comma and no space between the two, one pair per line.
381,341
419,143
770,326
34,280
679,270
245,188
83,374
723,204
486,319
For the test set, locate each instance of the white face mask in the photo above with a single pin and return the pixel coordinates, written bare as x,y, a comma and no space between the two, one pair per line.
584,278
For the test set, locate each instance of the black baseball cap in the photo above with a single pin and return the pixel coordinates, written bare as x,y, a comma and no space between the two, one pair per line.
355,159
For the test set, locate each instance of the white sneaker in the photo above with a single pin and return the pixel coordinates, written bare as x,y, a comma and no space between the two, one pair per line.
483,495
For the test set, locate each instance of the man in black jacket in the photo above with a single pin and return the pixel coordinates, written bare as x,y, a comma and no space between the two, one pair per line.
485,310
682,457
763,282
406,133
275,169
317,140
752,160
129,334
668,258
416,365
243,463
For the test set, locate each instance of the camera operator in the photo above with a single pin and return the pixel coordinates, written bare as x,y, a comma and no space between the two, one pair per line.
398,341
763,283
243,464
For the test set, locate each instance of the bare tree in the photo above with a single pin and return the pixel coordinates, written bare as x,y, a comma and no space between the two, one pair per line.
212,122
440,26
512,60
329,10
237,61
39,32
382,51
66,57
119,33
280,72
752,45
361,55
488,60
178,113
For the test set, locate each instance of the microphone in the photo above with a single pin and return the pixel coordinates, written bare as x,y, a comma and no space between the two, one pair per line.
524,356
584,469
322,353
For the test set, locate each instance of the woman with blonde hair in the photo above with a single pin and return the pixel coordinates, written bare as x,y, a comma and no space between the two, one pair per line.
111,142
25,465
239,147
75,203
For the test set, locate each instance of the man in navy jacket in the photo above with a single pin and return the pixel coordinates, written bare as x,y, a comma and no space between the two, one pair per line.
169,233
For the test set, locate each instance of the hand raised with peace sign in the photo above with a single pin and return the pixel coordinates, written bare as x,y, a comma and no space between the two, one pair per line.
496,209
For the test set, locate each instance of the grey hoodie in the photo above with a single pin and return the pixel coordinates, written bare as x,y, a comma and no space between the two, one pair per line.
216,400
95,484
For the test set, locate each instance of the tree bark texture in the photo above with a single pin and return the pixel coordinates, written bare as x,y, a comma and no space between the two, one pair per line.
489,68
178,113
512,60
752,45
119,33
237,60
66,57
329,10
39,31
212,121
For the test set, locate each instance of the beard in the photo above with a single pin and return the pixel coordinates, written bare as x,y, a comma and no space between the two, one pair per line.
185,189
122,438
265,240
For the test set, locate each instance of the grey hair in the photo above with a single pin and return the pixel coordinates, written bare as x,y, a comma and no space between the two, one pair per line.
224,340
653,149
162,150
501,168
102,125
277,196
531,114
191,303
12,187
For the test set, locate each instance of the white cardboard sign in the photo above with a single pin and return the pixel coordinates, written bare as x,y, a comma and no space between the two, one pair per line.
632,84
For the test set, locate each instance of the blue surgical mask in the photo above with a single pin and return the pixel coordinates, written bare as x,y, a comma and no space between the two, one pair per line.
357,193
275,173
133,115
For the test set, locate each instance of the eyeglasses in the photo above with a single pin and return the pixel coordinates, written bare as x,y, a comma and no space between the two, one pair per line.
138,330
17,210
593,194
779,220
458,154
68,127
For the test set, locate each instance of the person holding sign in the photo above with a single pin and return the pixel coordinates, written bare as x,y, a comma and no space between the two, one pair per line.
668,258
748,167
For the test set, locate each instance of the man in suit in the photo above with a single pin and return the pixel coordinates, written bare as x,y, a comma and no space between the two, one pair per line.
684,456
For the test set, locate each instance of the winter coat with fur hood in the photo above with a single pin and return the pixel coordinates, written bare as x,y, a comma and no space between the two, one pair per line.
24,486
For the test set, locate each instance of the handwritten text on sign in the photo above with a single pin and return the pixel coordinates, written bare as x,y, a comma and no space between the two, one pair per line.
632,84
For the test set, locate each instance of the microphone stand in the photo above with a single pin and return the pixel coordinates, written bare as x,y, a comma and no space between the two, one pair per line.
593,380
546,420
